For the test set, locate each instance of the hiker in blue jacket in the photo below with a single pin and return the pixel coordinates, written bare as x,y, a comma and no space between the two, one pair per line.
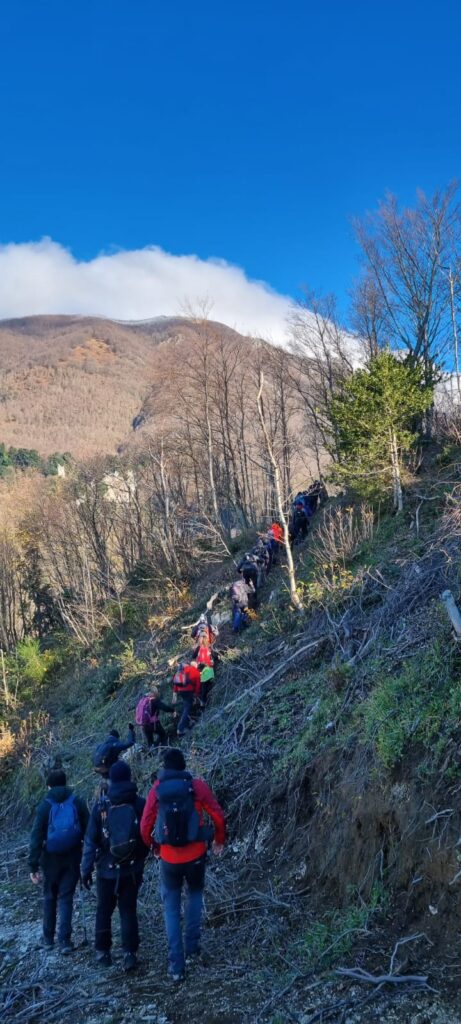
113,844
56,848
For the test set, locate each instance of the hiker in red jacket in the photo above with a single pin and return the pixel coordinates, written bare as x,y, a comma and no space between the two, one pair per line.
186,684
173,824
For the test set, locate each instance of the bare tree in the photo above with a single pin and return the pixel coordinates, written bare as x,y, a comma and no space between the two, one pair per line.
295,598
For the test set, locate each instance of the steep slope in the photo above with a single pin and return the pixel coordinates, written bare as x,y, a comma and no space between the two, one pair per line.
332,741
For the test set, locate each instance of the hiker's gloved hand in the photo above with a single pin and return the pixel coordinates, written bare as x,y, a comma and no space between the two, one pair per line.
35,877
87,881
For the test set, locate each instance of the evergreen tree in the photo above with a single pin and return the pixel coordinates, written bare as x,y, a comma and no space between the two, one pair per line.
373,425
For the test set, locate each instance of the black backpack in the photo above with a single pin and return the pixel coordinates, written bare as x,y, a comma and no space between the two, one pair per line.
178,821
121,828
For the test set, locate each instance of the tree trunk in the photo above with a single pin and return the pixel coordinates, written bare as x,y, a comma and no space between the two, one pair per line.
396,474
295,599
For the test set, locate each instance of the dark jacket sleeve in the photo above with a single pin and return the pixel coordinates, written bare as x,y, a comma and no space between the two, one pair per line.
161,706
83,813
92,842
121,745
38,835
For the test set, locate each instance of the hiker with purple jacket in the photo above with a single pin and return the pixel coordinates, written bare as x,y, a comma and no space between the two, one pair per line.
148,717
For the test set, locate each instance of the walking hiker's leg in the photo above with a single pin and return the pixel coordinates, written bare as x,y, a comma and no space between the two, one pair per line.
105,888
50,902
171,876
184,721
195,878
66,890
148,731
160,735
127,905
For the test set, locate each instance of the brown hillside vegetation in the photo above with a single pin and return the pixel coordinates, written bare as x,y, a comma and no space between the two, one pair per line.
76,384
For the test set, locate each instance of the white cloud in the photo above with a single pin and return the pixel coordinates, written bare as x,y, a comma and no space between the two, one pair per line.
43,277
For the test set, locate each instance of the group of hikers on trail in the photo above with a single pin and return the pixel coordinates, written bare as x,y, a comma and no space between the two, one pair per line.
257,563
180,819
178,822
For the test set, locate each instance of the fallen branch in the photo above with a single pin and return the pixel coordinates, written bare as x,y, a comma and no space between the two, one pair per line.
267,679
357,974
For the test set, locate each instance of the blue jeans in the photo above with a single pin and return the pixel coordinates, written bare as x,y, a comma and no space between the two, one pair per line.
172,877
184,721
59,885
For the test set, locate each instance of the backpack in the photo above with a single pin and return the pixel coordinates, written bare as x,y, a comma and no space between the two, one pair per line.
180,681
64,829
122,832
239,592
204,657
178,821
142,713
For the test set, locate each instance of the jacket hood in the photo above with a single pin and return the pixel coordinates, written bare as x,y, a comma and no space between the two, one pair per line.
122,792
58,794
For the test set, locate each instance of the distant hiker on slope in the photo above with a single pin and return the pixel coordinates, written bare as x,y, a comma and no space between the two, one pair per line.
242,594
249,569
148,717
299,524
56,845
107,752
173,823
113,842
186,685
204,631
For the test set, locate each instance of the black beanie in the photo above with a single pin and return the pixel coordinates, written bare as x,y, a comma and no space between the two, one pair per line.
56,778
115,733
173,759
120,772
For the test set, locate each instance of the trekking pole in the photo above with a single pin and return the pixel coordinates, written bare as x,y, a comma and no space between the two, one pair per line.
83,916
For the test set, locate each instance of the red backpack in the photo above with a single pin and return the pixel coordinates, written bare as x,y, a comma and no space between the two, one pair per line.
204,657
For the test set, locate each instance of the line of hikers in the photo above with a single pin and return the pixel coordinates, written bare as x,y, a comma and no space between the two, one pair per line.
257,563
179,821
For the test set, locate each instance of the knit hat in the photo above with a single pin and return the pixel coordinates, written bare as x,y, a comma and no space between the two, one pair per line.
173,759
56,778
120,772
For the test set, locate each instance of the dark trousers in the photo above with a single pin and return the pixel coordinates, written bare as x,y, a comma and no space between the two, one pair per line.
205,690
58,896
172,878
125,894
186,713
151,731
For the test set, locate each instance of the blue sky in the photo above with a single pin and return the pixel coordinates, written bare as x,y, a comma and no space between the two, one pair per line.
251,132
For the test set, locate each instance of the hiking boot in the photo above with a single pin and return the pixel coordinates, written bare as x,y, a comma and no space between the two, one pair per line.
103,958
66,948
130,962
47,944
195,959
177,979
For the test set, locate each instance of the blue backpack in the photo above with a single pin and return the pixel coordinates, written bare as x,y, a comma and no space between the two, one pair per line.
64,829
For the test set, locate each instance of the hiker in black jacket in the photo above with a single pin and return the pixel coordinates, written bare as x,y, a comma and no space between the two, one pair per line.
107,752
113,843
60,869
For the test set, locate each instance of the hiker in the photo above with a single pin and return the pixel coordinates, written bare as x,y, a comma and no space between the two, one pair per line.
107,752
299,523
173,823
148,717
204,631
206,683
186,684
56,846
113,843
242,594
249,570
263,559
274,540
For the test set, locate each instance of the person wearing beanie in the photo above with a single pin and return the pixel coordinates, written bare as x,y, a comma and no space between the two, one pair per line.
54,854
107,752
174,824
114,845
